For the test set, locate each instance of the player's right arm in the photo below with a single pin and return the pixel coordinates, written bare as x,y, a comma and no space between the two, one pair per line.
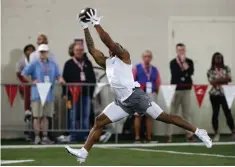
96,54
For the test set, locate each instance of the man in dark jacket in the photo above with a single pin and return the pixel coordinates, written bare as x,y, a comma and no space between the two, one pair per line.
79,69
182,69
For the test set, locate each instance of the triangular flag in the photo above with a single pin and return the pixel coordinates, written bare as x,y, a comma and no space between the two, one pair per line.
43,89
11,93
200,91
229,92
75,91
98,88
168,92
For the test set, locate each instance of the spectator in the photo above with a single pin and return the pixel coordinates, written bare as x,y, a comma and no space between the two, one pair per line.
149,78
42,70
79,69
217,75
182,69
42,39
25,89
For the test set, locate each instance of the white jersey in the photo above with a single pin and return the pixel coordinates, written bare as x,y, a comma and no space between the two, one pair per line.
120,77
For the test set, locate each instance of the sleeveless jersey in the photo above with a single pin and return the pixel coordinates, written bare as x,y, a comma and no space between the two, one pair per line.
120,78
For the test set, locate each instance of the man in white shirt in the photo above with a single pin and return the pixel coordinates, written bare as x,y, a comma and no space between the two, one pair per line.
42,39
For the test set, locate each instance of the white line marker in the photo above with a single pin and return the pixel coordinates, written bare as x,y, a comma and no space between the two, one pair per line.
113,145
184,153
14,161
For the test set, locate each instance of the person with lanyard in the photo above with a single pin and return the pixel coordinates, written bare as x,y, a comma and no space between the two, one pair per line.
182,69
149,78
219,74
79,69
43,70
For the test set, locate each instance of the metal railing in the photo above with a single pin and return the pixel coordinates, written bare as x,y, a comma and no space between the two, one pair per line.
68,115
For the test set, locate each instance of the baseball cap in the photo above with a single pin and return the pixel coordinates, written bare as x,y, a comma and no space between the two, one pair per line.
43,47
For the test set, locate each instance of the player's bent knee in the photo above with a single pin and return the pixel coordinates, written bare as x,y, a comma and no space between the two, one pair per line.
154,111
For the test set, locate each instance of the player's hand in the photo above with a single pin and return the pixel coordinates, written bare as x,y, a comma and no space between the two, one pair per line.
83,25
93,17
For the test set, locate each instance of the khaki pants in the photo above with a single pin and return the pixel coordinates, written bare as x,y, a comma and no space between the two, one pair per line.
40,111
181,98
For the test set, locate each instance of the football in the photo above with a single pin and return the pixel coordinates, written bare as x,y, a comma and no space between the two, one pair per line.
83,14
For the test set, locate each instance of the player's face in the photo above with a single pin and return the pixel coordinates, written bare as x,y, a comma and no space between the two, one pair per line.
180,50
147,58
78,51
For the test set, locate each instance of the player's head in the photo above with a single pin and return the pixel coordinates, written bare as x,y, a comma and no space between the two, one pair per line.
28,49
217,60
180,49
42,39
147,57
111,54
76,50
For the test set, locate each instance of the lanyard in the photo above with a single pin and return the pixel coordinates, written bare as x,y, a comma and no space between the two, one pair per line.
45,69
148,74
80,65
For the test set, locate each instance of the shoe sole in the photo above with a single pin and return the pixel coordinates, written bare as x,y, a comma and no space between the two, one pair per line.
78,158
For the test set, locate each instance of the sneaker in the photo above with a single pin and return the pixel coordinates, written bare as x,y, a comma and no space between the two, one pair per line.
216,137
37,140
46,140
137,142
81,157
203,136
105,137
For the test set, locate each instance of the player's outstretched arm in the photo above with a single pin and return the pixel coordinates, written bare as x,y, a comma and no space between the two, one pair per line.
96,54
114,47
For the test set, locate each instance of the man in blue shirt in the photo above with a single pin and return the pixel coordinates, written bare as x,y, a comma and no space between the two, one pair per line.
41,71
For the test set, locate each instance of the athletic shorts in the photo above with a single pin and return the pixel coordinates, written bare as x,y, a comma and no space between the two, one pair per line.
138,102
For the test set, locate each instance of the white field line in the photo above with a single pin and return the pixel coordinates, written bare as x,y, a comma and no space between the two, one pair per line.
183,153
113,145
14,161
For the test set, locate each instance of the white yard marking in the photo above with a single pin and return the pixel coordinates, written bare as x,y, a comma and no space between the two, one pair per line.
183,153
113,145
15,161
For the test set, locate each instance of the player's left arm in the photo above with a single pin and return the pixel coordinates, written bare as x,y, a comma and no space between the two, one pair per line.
114,47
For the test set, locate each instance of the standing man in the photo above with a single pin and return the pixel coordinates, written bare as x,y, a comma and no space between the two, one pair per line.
42,39
149,78
182,69
42,70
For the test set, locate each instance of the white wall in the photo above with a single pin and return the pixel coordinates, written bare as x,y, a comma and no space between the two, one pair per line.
137,25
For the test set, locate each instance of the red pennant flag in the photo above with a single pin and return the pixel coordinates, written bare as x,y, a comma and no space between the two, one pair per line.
200,91
75,91
11,93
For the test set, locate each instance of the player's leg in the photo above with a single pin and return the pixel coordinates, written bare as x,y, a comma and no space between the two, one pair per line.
148,122
137,126
157,113
111,113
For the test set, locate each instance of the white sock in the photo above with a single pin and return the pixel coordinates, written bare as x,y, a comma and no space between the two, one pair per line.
84,151
196,132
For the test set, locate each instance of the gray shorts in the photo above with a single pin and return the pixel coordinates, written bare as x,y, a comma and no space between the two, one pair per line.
138,102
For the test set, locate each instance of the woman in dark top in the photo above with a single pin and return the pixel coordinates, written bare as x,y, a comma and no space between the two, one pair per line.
219,74
79,69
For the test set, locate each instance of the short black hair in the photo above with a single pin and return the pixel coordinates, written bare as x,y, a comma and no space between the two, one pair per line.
180,45
29,46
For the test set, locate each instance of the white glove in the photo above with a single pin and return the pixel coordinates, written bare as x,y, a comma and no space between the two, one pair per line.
84,25
94,18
